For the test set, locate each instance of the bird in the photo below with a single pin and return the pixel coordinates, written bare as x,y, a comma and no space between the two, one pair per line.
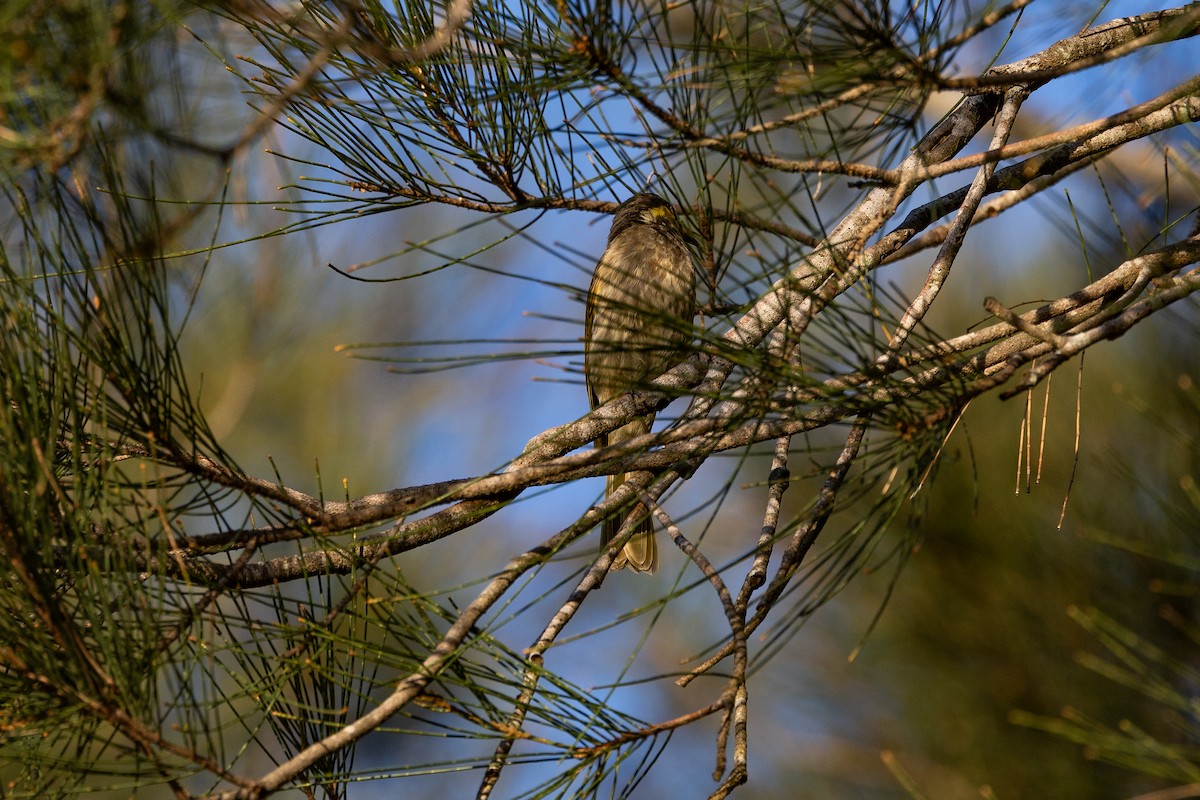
637,326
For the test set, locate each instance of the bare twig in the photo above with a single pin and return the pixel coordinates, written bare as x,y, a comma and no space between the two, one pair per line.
799,545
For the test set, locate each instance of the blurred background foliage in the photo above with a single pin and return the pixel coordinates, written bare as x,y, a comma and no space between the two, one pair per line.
1013,653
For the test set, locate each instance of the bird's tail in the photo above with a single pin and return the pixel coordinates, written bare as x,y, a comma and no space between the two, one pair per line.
640,553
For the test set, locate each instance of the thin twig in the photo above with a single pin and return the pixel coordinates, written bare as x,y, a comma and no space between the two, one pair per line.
735,715
802,540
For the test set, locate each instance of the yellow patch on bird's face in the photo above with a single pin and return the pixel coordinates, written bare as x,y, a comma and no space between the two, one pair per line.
657,214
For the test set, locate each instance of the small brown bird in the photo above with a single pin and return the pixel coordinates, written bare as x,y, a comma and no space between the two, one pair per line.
638,325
